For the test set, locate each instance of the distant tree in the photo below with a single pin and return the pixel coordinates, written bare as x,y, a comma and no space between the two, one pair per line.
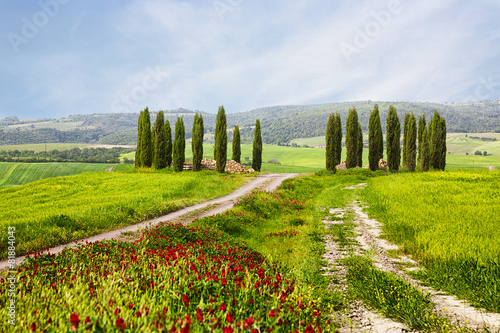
421,128
331,147
338,139
138,162
220,150
257,148
236,144
393,139
179,145
411,143
426,151
485,153
351,138
197,141
160,148
359,153
168,143
405,135
437,128
478,152
146,141
375,139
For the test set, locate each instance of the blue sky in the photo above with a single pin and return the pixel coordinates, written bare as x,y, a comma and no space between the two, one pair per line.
63,57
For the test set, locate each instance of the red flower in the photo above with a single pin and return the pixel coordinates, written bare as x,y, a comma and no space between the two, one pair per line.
309,329
33,327
249,322
49,320
222,307
75,320
228,329
87,320
251,300
185,299
272,313
138,313
223,281
130,306
120,323
199,315
229,317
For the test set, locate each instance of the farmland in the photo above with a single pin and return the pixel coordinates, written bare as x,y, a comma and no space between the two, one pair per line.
15,174
63,209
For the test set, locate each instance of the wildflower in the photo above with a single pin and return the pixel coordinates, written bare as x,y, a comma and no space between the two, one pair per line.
272,313
75,320
138,314
120,323
117,311
222,307
87,320
33,327
185,299
199,315
229,317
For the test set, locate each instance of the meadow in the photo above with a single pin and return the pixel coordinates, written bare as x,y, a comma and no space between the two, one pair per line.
449,222
59,210
15,174
38,147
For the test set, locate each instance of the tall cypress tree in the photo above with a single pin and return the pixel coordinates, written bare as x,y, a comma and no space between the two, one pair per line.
442,165
221,140
160,154
359,153
179,145
437,138
411,143
375,139
331,147
421,128
146,141
426,150
138,162
351,138
257,148
405,135
338,139
197,141
168,143
393,138
236,144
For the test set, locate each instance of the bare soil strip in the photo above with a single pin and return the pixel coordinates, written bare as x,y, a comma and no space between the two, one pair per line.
369,230
265,182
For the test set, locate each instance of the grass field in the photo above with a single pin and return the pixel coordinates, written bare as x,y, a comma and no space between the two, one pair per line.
15,174
449,221
58,210
42,146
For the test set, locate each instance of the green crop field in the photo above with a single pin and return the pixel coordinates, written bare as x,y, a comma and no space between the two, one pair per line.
38,147
449,221
15,174
58,210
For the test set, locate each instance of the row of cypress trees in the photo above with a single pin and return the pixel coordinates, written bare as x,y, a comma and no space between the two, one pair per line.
431,141
156,149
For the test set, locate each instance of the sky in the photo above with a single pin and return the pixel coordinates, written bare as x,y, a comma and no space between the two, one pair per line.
63,57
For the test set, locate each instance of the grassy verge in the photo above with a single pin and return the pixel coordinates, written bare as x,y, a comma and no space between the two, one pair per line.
449,222
59,210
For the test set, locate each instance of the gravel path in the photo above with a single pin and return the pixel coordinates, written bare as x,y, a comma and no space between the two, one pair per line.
265,182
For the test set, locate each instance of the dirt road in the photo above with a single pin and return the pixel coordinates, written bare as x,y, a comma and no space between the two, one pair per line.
265,182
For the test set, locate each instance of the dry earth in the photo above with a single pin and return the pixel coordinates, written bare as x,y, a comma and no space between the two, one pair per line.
357,317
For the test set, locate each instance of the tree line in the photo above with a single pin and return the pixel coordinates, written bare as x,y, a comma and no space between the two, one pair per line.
431,140
156,149
87,155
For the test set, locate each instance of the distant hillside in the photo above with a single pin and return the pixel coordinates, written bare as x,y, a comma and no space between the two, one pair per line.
279,124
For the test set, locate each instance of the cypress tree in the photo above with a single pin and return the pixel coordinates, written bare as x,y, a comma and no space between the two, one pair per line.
351,138
442,165
220,150
146,141
257,148
338,139
159,156
197,141
393,137
359,153
375,139
179,145
331,147
437,138
421,128
426,151
405,135
236,144
138,162
411,143
168,143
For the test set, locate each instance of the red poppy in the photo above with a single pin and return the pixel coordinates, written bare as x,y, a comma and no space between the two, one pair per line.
229,317
33,327
49,320
138,313
309,329
249,322
222,307
199,315
120,323
87,320
185,299
228,329
75,320
130,306
117,311
272,313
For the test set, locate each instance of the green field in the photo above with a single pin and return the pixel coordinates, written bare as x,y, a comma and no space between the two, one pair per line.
58,210
38,147
449,222
15,174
